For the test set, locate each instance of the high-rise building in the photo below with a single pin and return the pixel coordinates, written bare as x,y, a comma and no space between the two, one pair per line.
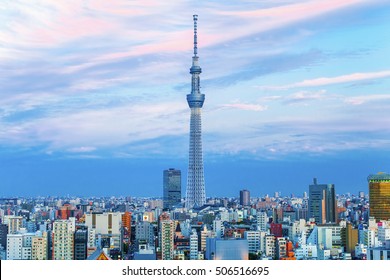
171,188
14,246
14,223
218,228
80,243
269,246
167,234
196,194
144,233
19,245
126,225
3,235
39,247
254,241
63,240
193,245
379,195
204,234
245,197
351,238
262,221
322,203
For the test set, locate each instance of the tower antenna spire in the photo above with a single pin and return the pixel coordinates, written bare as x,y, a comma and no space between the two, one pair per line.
195,35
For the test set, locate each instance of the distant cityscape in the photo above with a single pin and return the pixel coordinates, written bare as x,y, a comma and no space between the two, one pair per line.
318,225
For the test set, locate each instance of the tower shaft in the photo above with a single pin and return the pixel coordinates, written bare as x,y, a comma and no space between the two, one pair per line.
195,196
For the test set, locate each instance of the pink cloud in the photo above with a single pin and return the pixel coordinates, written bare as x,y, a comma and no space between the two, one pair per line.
267,19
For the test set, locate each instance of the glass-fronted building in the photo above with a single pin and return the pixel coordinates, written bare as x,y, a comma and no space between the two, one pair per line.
379,193
172,188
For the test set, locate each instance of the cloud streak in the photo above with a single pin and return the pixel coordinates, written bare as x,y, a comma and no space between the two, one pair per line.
246,107
325,81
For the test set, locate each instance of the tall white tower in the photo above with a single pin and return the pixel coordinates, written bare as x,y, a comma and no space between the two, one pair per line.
196,195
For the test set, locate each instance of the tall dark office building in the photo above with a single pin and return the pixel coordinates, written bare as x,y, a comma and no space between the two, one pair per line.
80,243
379,194
171,188
3,235
245,198
322,203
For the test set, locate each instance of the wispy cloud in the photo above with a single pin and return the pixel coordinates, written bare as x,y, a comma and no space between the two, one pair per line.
77,131
304,96
324,81
81,149
246,107
359,100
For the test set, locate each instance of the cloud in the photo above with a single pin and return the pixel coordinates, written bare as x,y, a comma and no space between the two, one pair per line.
246,107
315,136
266,65
107,127
324,81
89,77
359,100
260,20
81,149
303,96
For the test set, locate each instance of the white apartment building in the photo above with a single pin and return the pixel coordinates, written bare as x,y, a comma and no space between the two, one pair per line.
19,246
63,240
262,221
193,245
104,223
254,241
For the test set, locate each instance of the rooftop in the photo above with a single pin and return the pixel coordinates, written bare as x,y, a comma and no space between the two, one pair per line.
381,176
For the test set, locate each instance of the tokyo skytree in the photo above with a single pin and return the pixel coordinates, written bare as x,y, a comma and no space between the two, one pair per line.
196,195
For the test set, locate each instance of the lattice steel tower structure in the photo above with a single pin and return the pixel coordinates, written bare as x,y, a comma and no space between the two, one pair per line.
196,195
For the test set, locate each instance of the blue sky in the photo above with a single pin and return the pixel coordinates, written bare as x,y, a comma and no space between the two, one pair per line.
93,95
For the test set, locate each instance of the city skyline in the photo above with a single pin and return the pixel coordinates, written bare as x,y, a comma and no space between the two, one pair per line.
93,96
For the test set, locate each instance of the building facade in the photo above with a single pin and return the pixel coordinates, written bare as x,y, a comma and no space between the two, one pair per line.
171,188
104,223
262,220
63,240
39,247
167,234
226,249
322,203
194,245
81,244
254,241
379,195
245,198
